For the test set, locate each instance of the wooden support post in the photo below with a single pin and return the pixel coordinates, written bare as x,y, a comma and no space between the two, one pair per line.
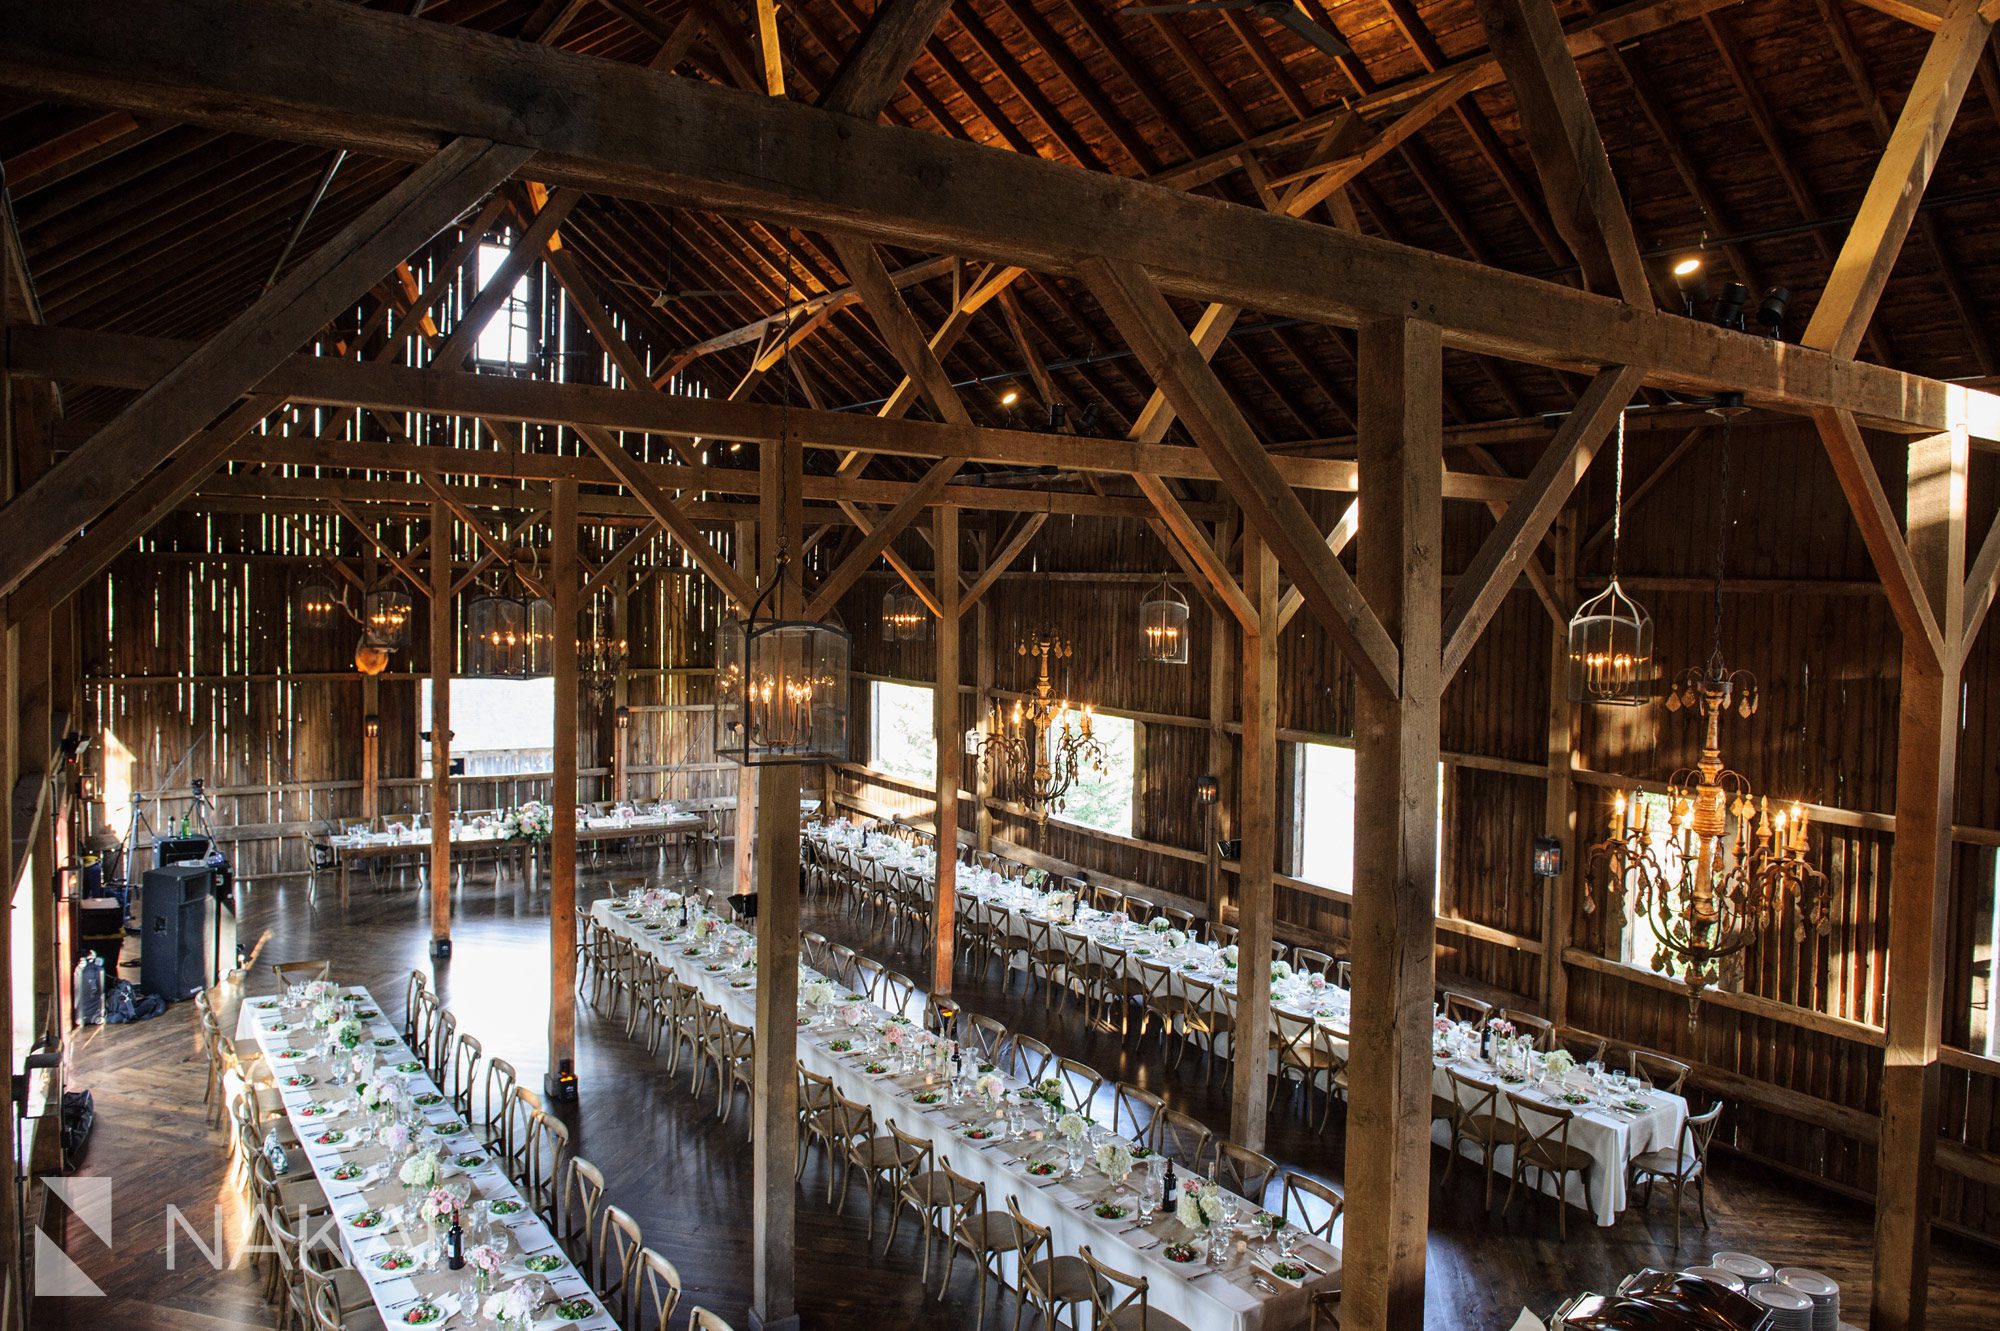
746,786
12,1310
562,797
1920,867
983,664
1400,447
1257,825
442,668
621,692
775,1085
1559,817
1221,748
371,719
950,746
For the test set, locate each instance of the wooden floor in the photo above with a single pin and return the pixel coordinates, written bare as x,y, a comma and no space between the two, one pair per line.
686,1178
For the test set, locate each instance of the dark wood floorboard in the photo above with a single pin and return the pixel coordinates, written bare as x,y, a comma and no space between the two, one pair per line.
686,1177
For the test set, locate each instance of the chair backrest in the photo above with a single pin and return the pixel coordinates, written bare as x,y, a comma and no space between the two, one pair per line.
1585,1047
701,1319
548,1146
1220,934
1697,1130
1310,1204
465,1073
1312,961
915,1156
662,1288
1295,1037
583,1198
1343,973
853,1121
1475,1100
1666,1074
500,1082
1183,1139
1080,1083
1541,1032
444,1041
415,985
618,1246
1182,920
1107,899
1133,1110
516,1131
1245,1172
1156,978
1544,1127
1458,1007
986,1036
302,972
1032,1059
1217,1009
1113,1292
1139,909
1034,1237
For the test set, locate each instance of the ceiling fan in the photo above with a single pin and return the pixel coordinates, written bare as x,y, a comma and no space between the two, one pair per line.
1278,11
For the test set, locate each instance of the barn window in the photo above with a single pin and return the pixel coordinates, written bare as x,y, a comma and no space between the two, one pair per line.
902,736
504,339
1103,799
1323,818
500,727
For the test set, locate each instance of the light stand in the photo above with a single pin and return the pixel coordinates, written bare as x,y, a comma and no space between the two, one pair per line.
1208,793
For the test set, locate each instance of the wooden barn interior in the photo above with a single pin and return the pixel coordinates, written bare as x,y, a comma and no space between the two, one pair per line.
669,663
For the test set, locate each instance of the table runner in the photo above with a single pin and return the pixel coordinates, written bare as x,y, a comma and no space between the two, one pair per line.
318,1108
1222,1299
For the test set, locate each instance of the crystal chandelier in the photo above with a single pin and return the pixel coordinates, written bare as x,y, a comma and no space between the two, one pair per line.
600,657
1727,865
1040,746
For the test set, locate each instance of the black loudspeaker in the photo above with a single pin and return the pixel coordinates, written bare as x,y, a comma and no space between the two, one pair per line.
174,930
178,850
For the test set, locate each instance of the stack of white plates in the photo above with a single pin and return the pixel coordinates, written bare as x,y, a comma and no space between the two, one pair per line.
1751,1270
1824,1293
1715,1275
1792,1310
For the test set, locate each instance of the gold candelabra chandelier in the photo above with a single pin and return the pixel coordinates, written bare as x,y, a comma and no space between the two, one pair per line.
600,658
1042,744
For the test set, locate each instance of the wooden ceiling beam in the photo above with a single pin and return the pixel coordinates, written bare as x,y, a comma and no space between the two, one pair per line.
1569,155
396,561
89,482
1875,240
667,512
889,45
1344,530
1508,548
320,77
452,500
1003,559
136,362
1881,532
1147,321
885,530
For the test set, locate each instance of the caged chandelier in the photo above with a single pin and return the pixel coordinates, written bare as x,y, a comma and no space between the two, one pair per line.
1041,745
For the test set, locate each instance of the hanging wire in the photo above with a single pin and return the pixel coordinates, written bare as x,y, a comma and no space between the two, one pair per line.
1618,498
1721,548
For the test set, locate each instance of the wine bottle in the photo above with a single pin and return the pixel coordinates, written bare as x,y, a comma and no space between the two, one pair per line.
1167,1188
454,1247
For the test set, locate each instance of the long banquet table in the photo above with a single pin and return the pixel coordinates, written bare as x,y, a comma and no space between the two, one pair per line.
1225,1298
351,848
1612,1125
388,1252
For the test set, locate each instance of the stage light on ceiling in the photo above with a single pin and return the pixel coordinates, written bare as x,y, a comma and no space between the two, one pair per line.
1771,310
1729,305
1010,397
1691,279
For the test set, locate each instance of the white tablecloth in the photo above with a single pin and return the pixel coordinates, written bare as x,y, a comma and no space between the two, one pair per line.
1222,1300
1610,1133
317,1109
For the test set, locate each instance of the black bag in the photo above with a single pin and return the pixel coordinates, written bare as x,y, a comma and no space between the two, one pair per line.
79,1115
